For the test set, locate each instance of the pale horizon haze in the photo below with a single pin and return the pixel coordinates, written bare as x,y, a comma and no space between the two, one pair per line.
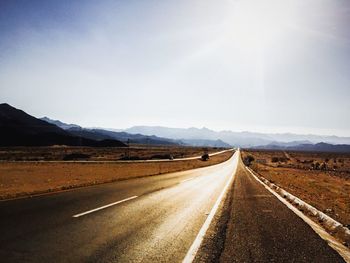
253,65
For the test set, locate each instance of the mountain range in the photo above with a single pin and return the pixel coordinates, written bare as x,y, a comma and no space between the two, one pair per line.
18,128
317,147
205,137
137,138
240,139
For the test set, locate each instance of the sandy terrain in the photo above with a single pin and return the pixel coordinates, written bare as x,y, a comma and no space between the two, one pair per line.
325,186
26,178
99,154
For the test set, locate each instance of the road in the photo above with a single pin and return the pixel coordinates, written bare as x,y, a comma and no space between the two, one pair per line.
157,219
260,228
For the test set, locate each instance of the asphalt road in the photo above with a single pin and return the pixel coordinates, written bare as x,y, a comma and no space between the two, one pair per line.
260,228
157,219
151,219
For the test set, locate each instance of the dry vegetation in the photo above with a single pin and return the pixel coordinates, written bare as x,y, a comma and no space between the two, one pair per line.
60,153
321,179
27,178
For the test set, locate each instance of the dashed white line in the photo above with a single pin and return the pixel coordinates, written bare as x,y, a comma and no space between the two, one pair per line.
105,206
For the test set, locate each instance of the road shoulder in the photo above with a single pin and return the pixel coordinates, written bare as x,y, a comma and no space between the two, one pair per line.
254,226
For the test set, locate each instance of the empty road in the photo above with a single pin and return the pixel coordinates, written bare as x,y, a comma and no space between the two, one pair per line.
151,219
157,219
260,228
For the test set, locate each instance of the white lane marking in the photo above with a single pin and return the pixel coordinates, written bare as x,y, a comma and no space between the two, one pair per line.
198,240
186,180
331,241
105,206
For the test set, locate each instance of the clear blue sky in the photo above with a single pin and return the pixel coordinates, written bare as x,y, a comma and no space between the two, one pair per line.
271,66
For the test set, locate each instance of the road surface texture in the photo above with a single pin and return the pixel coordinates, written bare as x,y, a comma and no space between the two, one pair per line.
254,226
157,219
151,219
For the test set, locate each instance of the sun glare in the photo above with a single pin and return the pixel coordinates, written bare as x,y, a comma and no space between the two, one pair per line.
256,24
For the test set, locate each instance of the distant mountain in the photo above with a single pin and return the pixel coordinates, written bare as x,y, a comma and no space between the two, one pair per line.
18,128
206,143
241,139
276,144
228,137
104,134
100,134
73,134
318,147
60,124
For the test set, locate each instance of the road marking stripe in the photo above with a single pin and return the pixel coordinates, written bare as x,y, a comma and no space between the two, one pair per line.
187,180
105,206
331,241
198,240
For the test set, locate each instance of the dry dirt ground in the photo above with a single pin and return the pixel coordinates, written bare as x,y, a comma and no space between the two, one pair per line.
320,179
57,153
27,178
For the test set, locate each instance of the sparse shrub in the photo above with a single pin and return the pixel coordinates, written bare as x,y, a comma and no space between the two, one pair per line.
205,157
274,159
130,158
76,156
323,166
316,166
279,159
308,161
248,160
162,156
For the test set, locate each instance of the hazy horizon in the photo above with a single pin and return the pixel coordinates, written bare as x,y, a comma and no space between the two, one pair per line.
189,127
259,66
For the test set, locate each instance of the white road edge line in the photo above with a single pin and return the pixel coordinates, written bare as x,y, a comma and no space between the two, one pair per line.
331,241
199,238
186,180
105,206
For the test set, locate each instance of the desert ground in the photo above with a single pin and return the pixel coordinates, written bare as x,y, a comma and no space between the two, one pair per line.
152,218
321,179
135,152
27,176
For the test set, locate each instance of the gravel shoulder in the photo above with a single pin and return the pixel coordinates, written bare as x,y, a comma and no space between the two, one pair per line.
254,226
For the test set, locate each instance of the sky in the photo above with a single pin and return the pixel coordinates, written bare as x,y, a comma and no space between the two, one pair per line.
257,65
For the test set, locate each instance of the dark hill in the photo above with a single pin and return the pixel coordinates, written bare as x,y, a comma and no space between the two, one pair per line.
309,147
322,147
18,121
105,134
18,128
99,134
